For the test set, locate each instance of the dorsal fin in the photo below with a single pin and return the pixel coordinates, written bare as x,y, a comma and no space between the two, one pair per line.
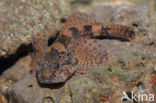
78,18
40,43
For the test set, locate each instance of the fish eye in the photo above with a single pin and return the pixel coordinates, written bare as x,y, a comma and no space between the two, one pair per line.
41,65
57,65
49,66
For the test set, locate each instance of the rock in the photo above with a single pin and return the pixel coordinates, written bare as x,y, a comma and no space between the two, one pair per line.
126,14
131,69
20,19
17,72
30,91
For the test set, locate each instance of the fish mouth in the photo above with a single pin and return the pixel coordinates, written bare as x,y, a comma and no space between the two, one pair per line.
48,77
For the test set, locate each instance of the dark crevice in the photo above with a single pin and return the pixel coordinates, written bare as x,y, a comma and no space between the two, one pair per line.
110,70
71,95
139,84
52,39
112,38
9,61
30,86
63,20
151,43
135,25
82,2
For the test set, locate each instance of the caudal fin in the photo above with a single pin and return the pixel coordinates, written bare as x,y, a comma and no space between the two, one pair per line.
116,30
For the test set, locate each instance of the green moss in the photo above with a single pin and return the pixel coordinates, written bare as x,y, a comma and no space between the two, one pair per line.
80,81
124,64
138,55
106,72
123,75
101,76
103,73
83,80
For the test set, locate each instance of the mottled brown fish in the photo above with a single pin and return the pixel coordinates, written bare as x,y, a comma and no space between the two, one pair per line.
75,50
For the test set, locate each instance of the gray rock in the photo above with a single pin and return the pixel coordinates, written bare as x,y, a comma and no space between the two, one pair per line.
131,69
20,19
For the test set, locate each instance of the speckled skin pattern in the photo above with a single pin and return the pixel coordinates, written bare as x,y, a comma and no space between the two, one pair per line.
75,50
